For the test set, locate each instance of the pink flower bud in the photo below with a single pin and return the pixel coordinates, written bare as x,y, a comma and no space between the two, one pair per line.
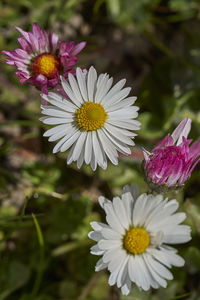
172,160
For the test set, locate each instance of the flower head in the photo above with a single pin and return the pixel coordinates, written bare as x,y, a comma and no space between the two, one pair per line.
134,243
96,121
43,58
172,160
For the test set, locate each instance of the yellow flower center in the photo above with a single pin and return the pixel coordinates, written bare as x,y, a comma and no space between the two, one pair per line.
45,64
136,240
91,116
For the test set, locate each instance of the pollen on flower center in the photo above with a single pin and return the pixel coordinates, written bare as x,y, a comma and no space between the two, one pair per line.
91,116
136,240
45,64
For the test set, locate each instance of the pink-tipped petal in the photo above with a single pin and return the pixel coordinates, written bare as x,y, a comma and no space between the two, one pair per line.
36,30
167,141
195,150
24,33
53,40
78,48
181,130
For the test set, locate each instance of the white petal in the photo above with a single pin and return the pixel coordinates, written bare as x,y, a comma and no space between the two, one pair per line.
109,244
124,113
102,201
88,147
91,82
52,95
109,255
152,281
119,134
125,103
120,212
115,265
117,97
127,124
96,251
112,219
182,130
159,268
69,92
79,145
59,134
138,211
145,279
98,226
82,83
126,288
93,162
66,105
101,88
56,113
162,282
123,272
75,88
100,265
80,159
171,206
64,139
173,258
114,90
56,121
98,151
160,256
108,147
95,235
132,271
70,141
110,234
56,129
119,145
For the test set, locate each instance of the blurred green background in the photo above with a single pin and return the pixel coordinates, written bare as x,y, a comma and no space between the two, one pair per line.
46,206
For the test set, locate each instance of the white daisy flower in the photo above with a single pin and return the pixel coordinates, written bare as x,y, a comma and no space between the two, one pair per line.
96,121
134,244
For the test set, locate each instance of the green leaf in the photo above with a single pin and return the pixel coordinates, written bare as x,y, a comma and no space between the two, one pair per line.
17,276
193,258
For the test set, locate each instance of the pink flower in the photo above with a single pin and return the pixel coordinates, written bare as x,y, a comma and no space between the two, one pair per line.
43,58
172,161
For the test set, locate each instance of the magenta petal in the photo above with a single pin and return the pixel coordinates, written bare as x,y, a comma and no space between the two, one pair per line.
53,82
78,48
25,45
43,101
22,53
10,62
45,89
62,47
24,33
34,42
195,150
41,79
53,40
36,30
167,141
23,76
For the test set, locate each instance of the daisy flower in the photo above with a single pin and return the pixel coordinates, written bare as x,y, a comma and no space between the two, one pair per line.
96,121
43,58
172,160
135,243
